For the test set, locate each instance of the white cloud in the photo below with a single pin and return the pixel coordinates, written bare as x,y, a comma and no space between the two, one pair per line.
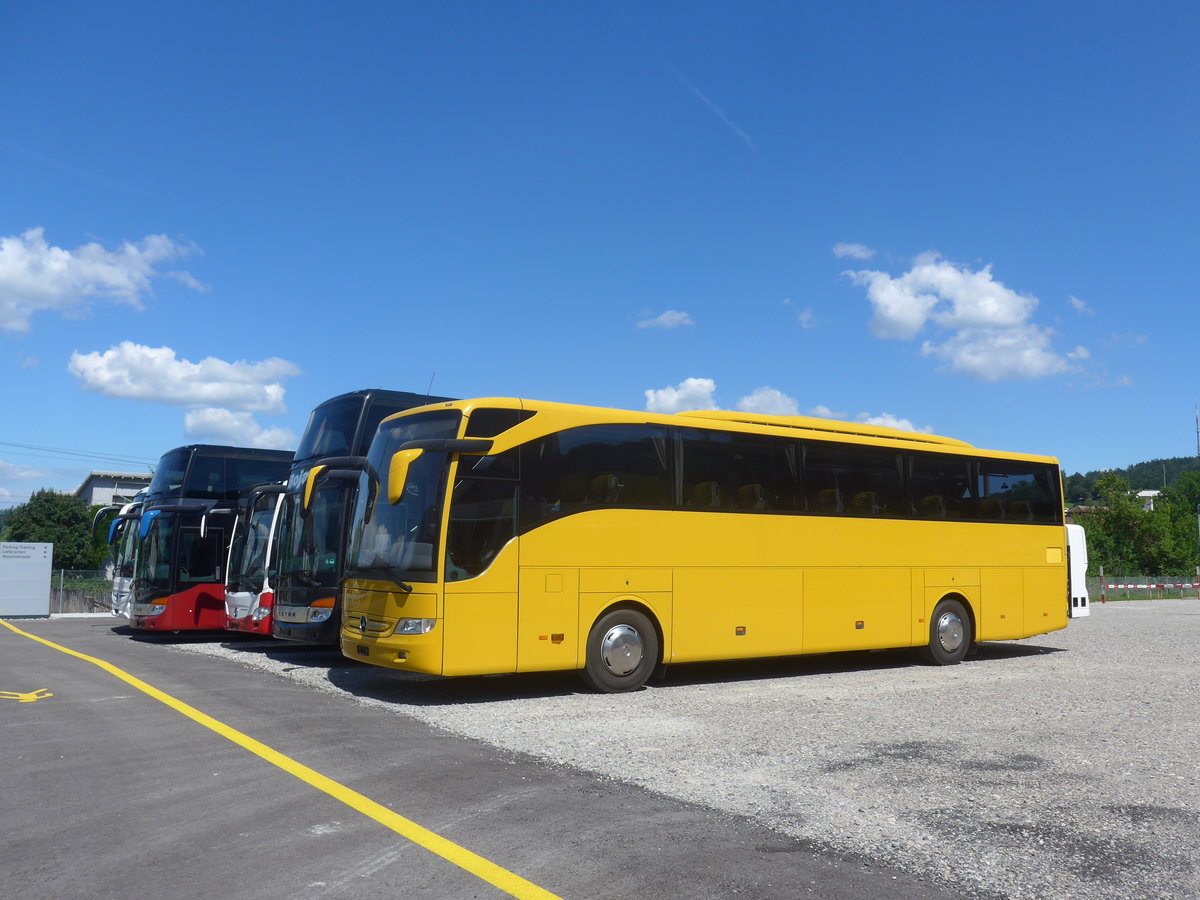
887,420
672,318
805,317
138,372
692,393
770,402
223,426
13,472
697,393
1080,353
992,337
996,354
824,412
35,276
853,251
1080,307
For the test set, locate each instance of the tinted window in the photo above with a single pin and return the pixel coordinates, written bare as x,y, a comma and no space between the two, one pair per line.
168,477
330,429
200,557
486,423
725,470
851,480
483,513
941,487
244,473
596,466
1018,492
206,478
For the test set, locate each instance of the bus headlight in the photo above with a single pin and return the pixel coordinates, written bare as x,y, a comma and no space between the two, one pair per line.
319,614
415,626
260,613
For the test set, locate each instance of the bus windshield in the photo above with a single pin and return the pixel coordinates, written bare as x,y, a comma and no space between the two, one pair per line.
123,549
399,543
196,558
168,477
310,543
330,430
152,562
248,562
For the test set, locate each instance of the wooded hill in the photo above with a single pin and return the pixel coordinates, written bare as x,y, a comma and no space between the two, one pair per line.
1153,475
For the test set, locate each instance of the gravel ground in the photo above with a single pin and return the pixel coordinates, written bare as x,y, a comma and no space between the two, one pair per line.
1061,766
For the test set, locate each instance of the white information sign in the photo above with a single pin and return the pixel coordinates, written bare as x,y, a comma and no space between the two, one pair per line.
25,579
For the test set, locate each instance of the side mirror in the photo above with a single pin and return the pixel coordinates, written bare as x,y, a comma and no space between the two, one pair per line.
313,474
204,520
398,472
147,520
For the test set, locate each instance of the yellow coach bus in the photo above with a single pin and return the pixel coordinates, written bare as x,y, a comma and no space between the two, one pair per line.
504,535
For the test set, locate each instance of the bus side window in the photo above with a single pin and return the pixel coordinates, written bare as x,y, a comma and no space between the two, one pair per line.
1019,492
737,471
854,480
940,486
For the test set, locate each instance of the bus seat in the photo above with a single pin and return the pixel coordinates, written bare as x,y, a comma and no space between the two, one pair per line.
932,507
706,493
865,502
990,508
829,500
1020,510
604,489
751,496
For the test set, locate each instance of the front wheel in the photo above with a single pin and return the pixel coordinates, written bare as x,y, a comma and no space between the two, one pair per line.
949,634
622,652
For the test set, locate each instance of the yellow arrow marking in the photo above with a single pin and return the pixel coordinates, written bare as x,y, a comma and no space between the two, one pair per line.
481,868
39,694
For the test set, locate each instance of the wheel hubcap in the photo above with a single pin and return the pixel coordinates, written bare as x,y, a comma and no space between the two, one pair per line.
621,649
950,631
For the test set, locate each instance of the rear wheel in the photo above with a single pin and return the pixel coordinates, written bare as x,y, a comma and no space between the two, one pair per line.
949,634
622,651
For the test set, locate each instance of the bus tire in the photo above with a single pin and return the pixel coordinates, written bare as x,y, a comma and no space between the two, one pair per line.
622,652
950,634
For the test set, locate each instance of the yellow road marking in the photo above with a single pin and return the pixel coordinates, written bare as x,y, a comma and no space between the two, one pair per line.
32,696
481,868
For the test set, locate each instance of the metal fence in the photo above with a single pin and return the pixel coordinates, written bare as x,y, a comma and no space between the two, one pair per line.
73,591
1142,587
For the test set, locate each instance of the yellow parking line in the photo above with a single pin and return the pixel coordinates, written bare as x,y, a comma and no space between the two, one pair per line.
488,871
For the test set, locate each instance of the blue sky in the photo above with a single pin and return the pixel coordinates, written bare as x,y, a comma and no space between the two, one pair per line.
976,220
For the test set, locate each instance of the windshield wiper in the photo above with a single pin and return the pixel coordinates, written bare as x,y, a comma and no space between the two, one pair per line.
301,575
385,573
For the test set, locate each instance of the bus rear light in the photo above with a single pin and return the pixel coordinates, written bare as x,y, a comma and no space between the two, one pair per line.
415,626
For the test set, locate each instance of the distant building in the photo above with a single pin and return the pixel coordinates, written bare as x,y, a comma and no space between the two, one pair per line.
1147,498
111,488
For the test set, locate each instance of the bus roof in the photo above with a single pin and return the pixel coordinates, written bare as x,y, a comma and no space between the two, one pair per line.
384,394
834,426
801,426
241,452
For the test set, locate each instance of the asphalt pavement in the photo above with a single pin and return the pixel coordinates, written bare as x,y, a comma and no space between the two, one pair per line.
110,792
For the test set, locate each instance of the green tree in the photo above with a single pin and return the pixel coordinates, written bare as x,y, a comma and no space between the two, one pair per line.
1126,539
61,520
